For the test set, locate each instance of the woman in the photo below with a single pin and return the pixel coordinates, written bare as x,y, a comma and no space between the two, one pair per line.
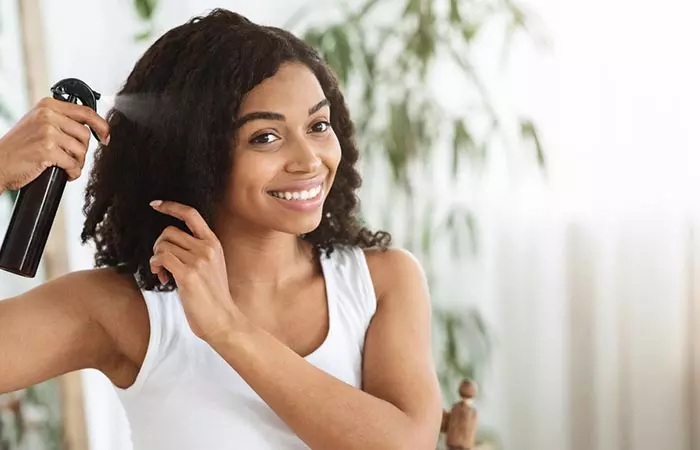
239,303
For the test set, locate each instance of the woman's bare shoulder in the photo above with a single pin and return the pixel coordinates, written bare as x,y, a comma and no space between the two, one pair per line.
110,295
390,267
103,287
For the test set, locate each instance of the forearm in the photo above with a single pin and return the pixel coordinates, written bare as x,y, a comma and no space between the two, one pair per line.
322,410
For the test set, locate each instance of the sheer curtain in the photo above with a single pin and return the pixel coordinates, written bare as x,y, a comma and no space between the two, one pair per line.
596,325
592,279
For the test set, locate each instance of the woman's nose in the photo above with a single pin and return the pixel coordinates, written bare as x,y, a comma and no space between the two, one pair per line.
304,157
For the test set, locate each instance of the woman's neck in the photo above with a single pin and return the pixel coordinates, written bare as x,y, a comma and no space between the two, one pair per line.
264,259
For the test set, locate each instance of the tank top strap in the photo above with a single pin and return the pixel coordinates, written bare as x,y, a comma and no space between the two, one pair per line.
352,283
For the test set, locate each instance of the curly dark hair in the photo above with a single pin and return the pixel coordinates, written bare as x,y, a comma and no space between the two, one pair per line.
187,89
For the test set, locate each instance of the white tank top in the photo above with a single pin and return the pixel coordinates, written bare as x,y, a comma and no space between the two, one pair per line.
187,397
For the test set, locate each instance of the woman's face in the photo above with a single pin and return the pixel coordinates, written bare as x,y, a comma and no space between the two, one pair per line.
286,153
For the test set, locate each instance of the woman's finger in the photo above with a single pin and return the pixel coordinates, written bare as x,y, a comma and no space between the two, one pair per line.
187,214
176,236
185,256
163,276
159,270
166,260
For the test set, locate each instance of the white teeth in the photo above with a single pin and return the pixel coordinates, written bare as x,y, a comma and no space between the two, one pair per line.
299,195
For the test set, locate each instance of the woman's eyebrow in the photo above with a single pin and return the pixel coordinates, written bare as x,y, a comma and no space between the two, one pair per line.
264,115
268,115
319,105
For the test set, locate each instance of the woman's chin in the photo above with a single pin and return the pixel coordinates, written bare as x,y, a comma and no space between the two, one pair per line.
298,226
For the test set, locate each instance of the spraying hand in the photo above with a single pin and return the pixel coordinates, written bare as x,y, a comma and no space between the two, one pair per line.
51,134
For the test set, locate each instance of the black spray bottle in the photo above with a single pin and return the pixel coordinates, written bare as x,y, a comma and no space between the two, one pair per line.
37,202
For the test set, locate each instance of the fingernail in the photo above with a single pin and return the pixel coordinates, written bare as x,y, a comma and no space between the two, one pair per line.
109,136
156,203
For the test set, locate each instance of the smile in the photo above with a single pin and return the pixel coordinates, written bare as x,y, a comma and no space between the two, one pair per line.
309,194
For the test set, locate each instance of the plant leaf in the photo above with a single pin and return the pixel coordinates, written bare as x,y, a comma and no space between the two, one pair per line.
473,231
455,16
427,238
459,223
363,11
399,141
529,131
143,36
426,39
469,31
462,143
412,7
145,8
343,54
313,37
466,228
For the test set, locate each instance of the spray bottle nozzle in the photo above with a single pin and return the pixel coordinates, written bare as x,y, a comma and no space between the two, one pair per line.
72,89
76,88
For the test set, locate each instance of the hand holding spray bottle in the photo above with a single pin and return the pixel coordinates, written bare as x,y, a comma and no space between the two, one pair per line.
36,205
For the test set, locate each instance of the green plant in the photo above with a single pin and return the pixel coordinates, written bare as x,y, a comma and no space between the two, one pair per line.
386,53
386,66
145,10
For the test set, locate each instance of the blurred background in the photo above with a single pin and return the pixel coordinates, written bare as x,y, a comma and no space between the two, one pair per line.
540,157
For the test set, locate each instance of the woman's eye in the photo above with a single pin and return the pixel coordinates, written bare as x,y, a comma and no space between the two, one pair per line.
265,138
320,127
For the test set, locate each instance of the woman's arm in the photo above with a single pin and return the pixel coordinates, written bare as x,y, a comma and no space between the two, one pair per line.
53,329
400,405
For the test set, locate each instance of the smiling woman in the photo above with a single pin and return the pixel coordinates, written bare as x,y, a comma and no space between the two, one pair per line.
240,302
213,104
287,153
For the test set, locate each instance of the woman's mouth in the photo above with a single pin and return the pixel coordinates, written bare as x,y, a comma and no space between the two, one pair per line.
309,194
307,200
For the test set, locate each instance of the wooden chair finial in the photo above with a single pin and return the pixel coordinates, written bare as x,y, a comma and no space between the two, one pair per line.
468,389
460,423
